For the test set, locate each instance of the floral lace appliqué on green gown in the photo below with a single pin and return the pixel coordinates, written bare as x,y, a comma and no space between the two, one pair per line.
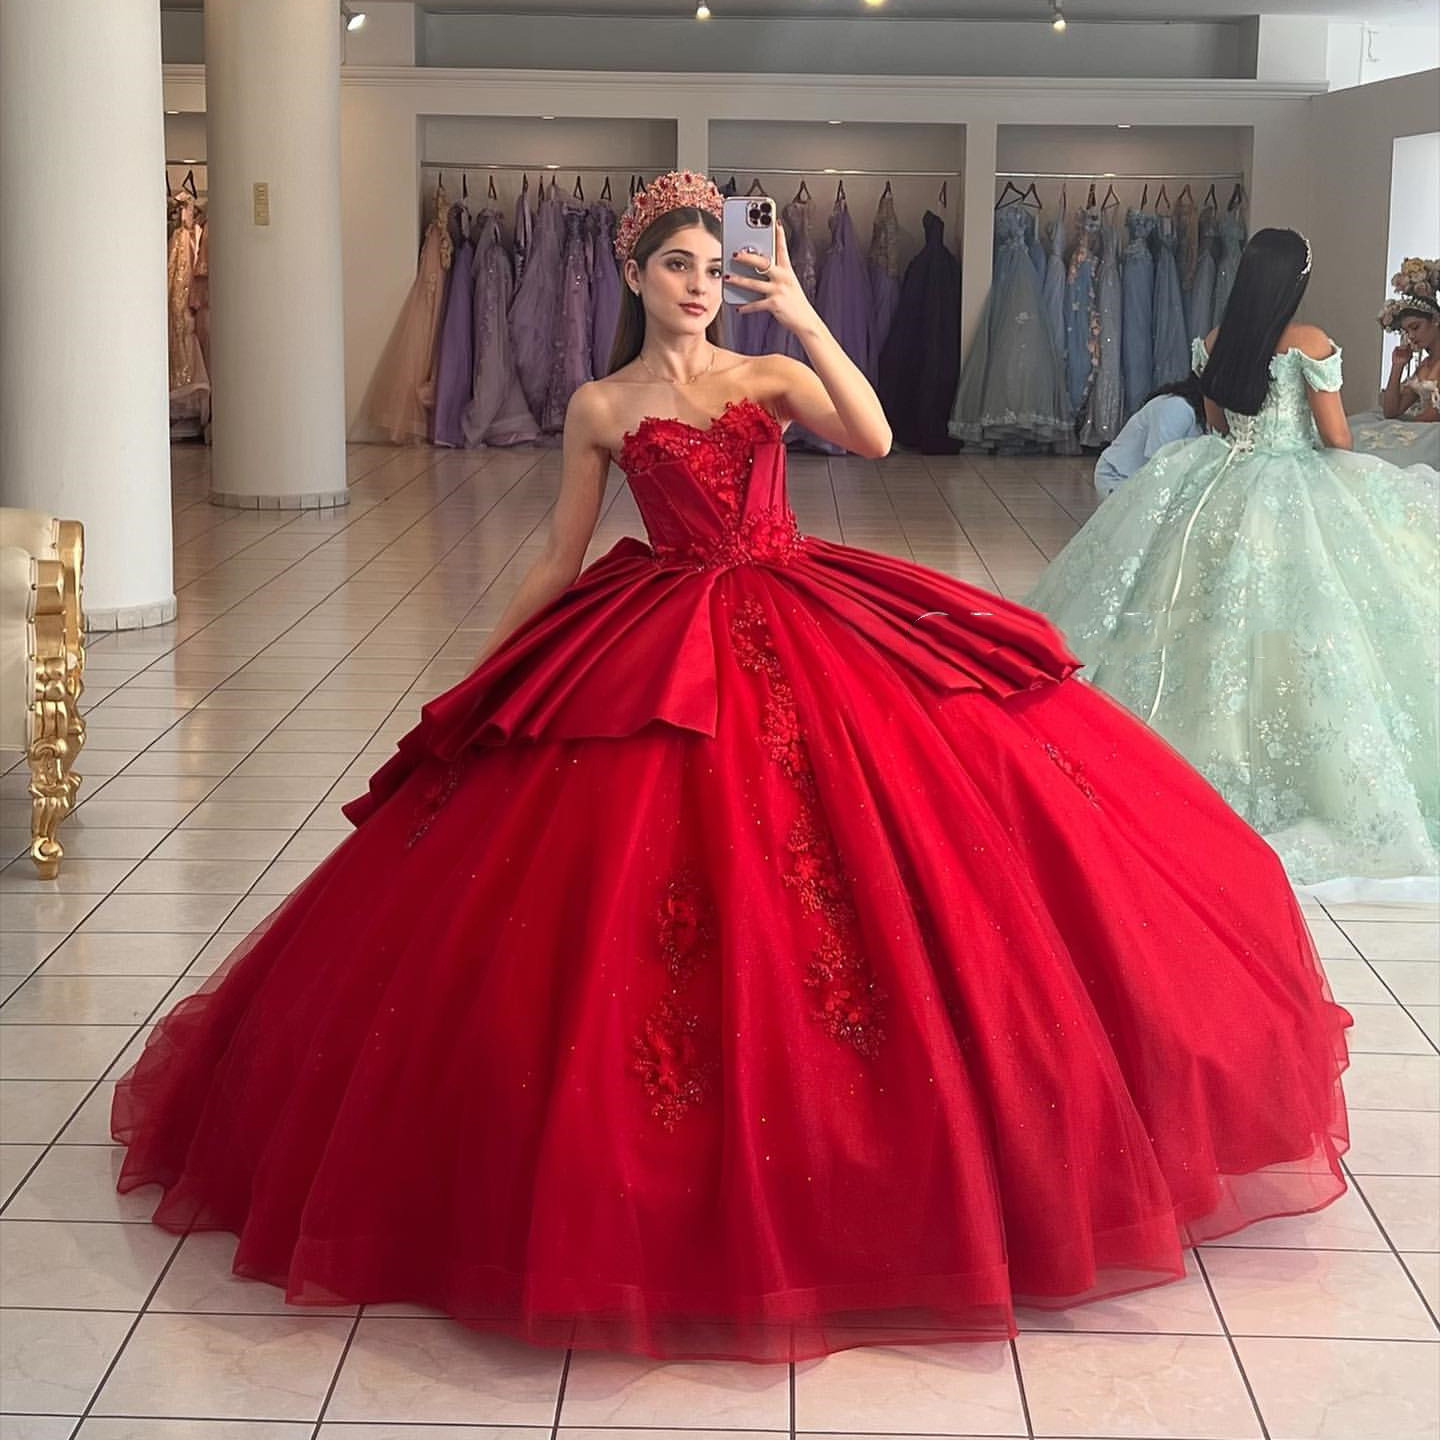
1270,607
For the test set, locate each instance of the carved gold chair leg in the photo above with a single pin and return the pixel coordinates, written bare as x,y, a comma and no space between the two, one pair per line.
54,718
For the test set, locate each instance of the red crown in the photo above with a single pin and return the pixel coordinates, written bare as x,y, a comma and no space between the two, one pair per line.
676,191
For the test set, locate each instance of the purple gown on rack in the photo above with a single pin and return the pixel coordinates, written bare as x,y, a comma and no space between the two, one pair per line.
604,286
842,298
534,312
884,268
573,339
497,413
524,230
455,360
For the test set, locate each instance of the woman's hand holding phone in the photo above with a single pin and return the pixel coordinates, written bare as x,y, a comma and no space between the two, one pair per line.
777,292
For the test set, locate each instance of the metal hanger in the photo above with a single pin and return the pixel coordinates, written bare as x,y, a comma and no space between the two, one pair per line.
1162,202
756,188
605,191
1010,195
578,192
494,193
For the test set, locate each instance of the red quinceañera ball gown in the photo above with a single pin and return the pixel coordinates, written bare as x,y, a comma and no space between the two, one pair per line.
768,950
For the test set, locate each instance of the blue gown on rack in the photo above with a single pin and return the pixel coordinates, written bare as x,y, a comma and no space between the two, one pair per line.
1171,357
1232,242
1270,606
1200,298
1011,392
1105,414
1138,314
1052,294
1082,312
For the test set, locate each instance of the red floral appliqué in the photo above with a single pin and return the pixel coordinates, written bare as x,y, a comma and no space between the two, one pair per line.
850,1004
668,1057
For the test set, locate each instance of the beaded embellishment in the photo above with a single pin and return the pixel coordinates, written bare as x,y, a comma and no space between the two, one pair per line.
850,1006
1069,768
433,799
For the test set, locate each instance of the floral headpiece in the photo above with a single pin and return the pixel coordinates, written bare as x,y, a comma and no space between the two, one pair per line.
678,190
1416,285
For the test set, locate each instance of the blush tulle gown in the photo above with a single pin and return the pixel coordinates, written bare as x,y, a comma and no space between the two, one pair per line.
770,949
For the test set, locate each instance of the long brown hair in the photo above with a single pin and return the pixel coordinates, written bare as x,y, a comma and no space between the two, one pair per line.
630,328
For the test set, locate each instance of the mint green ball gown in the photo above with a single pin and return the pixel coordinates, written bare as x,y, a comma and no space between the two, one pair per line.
1272,608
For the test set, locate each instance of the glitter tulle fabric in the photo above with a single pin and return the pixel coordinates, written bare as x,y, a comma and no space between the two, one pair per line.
1273,608
768,950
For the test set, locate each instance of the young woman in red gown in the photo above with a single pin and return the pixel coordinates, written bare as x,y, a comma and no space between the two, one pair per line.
767,949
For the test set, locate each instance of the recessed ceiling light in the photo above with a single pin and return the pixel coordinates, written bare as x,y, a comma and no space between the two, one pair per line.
702,11
172,112
834,122
1058,23
353,19
1122,127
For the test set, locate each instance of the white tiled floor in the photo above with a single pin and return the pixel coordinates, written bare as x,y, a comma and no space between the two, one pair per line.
219,748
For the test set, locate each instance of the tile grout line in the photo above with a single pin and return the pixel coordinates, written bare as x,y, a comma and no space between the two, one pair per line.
1230,1341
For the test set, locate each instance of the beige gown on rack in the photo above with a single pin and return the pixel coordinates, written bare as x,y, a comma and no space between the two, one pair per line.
402,393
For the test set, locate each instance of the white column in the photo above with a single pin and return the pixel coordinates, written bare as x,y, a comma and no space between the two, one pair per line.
272,73
84,408
977,254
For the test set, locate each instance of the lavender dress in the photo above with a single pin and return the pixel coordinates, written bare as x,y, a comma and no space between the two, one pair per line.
536,305
497,413
884,266
604,287
843,300
455,363
524,227
572,338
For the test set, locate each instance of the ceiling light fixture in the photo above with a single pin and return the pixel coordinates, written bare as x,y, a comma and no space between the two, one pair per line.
874,4
1058,23
353,19
834,122
702,11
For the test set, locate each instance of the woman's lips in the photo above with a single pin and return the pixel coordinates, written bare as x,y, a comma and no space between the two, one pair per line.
693,309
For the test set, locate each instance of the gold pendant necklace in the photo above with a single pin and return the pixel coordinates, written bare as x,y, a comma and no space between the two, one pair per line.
666,380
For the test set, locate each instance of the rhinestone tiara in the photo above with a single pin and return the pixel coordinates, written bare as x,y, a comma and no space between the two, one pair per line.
676,191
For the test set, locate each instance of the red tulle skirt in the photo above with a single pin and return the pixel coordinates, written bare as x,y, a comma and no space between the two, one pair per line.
862,1020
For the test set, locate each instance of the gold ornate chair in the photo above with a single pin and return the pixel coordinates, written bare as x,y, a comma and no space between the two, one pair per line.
42,665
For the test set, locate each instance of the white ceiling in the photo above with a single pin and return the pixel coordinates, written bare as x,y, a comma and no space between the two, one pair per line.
1394,11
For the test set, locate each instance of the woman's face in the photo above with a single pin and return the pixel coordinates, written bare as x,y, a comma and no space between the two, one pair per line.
680,284
1421,333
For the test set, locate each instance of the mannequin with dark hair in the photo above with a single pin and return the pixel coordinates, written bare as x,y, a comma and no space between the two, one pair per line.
1270,601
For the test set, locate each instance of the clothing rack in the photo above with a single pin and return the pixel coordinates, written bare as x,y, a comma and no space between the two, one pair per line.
1113,175
822,170
586,169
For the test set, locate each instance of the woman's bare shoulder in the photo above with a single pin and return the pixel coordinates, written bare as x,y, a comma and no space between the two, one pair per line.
1310,340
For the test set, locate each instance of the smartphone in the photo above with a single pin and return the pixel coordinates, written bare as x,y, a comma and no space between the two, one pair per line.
749,224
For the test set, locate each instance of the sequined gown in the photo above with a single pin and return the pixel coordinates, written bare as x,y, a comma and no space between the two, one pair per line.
768,950
1012,385
1270,607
